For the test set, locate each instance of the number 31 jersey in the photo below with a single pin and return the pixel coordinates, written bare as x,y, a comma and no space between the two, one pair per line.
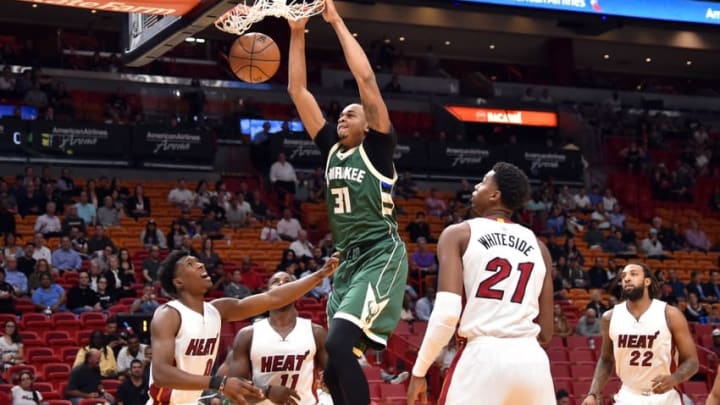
643,347
504,272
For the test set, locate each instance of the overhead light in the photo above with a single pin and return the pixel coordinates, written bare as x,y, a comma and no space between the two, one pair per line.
447,42
93,11
189,39
387,40
401,39
638,87
648,60
355,34
606,56
34,5
200,40
688,63
307,31
492,46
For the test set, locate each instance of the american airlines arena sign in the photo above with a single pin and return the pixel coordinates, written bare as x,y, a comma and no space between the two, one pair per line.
157,7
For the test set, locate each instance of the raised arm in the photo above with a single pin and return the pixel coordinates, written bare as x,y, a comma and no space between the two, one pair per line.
233,309
605,364
376,112
304,101
545,317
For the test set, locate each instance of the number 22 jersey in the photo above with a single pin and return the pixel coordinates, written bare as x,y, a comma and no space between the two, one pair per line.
643,347
503,272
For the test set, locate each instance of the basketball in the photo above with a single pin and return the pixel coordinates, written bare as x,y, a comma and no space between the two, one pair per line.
254,57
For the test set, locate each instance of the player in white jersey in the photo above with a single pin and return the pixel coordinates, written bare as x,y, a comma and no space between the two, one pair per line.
505,272
186,331
280,354
714,397
648,343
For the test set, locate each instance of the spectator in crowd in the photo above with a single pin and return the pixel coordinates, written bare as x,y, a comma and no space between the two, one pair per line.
283,177
126,263
419,228
108,214
696,238
715,342
434,205
651,246
406,187
322,290
678,287
85,380
202,195
86,209
562,397
105,296
215,206
138,205
41,251
134,390
560,284
24,393
133,351
152,236
103,257
106,360
528,96
49,297
588,324
187,246
72,219
596,303
82,298
317,185
7,217
15,277
609,201
600,216
562,326
11,346
302,246
7,295
151,265
99,241
570,251
29,202
577,276
238,212
10,247
175,235
594,237
209,257
65,258
65,184
424,306
712,288
49,195
407,313
35,97
555,223
288,227
598,276
180,196
268,232
694,310
582,201
617,217
25,262
147,303
423,260
112,337
695,286
235,288
211,227
119,282
41,267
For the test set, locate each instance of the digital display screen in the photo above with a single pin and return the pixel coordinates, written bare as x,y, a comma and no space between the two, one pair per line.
251,126
689,11
26,113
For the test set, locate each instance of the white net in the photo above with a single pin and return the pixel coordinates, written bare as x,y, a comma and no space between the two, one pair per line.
248,12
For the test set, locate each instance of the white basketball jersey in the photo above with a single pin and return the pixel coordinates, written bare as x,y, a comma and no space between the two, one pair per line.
504,272
196,346
643,347
289,362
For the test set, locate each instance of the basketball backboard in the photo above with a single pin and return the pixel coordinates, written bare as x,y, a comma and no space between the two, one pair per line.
147,37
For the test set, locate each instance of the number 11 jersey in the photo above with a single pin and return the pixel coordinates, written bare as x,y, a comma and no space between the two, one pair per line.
643,347
504,272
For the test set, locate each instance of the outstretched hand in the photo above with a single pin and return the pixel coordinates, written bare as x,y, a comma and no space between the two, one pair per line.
330,13
299,24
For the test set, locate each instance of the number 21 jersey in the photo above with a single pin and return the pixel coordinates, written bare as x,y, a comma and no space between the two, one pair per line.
643,347
503,272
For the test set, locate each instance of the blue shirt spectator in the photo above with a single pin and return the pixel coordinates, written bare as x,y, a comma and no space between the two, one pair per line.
595,196
15,277
48,295
85,209
66,258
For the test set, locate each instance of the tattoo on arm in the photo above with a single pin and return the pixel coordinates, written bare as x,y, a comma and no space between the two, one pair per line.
686,369
602,373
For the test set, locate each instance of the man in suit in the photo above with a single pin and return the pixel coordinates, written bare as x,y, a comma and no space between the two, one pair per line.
712,288
696,287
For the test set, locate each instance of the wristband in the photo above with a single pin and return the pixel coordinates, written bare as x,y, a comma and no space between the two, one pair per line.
217,382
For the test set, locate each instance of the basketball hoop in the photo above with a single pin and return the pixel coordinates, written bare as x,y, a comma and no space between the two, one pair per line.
248,12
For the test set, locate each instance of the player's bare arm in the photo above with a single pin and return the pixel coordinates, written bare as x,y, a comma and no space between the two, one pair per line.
448,305
164,327
605,364
232,309
714,397
687,353
321,355
545,316
376,112
305,103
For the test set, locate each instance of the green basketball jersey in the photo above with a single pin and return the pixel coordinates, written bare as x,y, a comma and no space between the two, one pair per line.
360,205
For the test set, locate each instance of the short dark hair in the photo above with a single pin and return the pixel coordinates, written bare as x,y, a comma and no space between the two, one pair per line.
167,270
561,393
654,289
136,361
513,184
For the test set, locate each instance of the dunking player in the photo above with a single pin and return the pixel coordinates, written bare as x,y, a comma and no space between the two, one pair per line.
186,330
505,272
279,354
368,289
640,338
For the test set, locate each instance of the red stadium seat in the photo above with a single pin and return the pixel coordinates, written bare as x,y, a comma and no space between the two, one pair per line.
581,354
91,401
111,385
557,354
392,391
59,402
33,352
583,369
7,317
560,370
65,320
580,388
693,388
93,320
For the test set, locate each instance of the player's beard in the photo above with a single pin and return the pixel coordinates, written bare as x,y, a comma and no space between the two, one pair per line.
635,294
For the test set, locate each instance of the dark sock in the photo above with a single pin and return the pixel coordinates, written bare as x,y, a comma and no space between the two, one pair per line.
350,379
